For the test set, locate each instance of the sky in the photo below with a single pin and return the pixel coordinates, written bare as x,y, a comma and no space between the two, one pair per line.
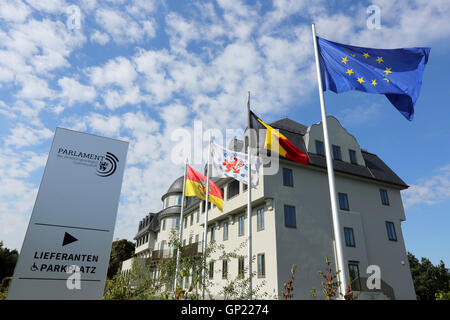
143,70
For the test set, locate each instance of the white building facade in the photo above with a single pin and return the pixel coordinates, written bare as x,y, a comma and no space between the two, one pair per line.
292,223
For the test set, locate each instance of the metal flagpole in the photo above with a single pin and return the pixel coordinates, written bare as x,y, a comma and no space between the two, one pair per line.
205,234
249,203
181,226
330,169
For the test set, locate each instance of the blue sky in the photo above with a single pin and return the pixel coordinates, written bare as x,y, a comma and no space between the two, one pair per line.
138,70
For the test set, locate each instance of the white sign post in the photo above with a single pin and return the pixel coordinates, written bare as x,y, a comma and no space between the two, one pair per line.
67,246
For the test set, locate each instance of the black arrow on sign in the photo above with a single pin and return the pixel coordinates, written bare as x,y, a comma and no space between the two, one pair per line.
68,238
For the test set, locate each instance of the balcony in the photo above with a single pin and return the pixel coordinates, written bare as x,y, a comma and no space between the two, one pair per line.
193,249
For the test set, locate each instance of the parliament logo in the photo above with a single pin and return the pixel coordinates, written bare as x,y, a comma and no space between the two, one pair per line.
108,166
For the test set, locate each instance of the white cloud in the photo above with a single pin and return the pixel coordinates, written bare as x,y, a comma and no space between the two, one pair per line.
100,37
23,136
180,30
117,98
120,26
74,91
140,8
106,125
14,10
34,88
37,47
118,71
29,111
429,191
50,6
88,5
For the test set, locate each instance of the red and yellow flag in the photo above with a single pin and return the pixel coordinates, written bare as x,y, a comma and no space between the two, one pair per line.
196,187
276,141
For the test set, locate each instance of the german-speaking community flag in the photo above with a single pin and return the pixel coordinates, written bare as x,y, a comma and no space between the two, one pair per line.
196,187
277,142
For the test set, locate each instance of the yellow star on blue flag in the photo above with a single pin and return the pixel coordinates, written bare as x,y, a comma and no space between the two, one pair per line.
396,73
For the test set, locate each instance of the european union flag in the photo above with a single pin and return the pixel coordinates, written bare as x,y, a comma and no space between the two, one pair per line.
396,73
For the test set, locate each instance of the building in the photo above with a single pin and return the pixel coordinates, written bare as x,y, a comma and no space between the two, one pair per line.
292,221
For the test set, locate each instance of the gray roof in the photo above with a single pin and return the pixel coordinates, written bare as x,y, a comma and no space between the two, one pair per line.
145,224
290,125
175,187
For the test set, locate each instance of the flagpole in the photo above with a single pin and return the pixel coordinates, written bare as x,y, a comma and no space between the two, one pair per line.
249,203
205,234
181,226
335,215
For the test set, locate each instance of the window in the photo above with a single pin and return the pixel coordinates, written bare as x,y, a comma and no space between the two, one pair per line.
320,148
260,219
289,216
349,237
185,222
352,154
184,242
391,231
384,197
175,222
337,153
186,281
225,231
224,269
164,224
177,200
241,266
162,245
211,270
198,216
244,187
196,238
241,225
261,265
233,189
213,233
223,192
343,201
192,219
353,270
288,177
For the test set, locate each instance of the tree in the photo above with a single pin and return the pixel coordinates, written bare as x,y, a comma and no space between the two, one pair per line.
121,250
135,285
428,279
8,259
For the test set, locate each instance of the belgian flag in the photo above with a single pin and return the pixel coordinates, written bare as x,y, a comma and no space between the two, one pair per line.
277,142
196,187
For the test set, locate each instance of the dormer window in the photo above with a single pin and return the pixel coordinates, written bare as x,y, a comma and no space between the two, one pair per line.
320,148
352,154
337,153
